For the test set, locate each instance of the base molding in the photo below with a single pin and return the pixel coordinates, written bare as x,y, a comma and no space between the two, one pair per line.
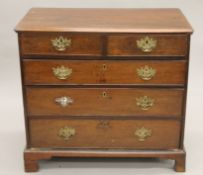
33,155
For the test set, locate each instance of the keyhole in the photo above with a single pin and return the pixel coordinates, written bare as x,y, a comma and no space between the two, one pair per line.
104,67
104,94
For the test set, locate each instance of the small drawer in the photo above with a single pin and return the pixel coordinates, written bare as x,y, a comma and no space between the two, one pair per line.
60,44
104,102
147,45
133,134
137,72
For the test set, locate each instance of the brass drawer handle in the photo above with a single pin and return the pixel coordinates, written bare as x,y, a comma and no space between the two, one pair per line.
61,43
147,44
66,132
64,101
145,102
146,72
143,133
62,72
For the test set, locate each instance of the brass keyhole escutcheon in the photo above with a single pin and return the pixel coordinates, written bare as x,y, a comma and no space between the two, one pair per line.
104,124
104,67
104,94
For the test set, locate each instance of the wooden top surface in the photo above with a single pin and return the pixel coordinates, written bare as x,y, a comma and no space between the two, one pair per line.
105,20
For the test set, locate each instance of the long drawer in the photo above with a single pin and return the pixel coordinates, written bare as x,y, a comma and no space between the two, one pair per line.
104,102
104,72
134,134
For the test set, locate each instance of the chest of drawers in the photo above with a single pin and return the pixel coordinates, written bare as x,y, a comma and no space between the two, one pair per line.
104,83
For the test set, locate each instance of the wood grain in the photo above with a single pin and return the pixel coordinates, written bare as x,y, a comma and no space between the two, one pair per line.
33,155
105,124
167,45
119,134
104,72
34,44
90,102
105,20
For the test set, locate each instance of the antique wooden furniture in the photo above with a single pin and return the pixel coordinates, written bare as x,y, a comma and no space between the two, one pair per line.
104,83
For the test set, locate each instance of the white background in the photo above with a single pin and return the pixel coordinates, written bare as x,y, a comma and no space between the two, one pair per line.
12,136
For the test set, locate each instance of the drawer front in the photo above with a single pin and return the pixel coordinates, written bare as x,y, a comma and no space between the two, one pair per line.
104,102
134,134
147,45
104,72
60,44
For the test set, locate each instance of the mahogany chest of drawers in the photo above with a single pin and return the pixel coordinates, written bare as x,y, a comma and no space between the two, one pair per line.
104,83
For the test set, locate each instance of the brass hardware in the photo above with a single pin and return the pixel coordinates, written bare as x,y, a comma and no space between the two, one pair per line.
143,133
145,102
146,44
64,101
61,43
104,94
104,124
104,67
66,132
62,72
146,72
